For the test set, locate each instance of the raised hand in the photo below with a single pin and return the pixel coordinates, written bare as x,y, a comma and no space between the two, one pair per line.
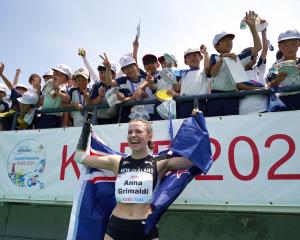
250,18
81,52
1,68
203,49
106,61
195,111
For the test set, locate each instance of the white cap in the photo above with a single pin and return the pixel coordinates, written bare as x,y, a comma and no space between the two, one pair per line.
3,89
219,36
174,58
20,86
48,73
82,72
63,68
191,50
126,60
289,34
29,97
112,66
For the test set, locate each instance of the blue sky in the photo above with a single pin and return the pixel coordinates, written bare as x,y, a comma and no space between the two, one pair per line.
38,35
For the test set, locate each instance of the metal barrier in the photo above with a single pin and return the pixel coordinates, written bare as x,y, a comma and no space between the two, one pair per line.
195,98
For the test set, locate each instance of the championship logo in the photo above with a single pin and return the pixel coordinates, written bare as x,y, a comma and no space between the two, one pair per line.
26,164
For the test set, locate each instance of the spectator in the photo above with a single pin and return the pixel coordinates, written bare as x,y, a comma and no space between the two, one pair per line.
102,84
155,80
288,43
79,96
48,75
53,97
16,78
220,78
93,76
128,85
27,105
163,62
164,79
35,81
193,81
256,74
152,80
15,92
3,105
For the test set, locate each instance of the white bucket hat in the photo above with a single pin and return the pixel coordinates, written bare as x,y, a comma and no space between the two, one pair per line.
19,85
48,73
126,60
82,72
29,97
63,68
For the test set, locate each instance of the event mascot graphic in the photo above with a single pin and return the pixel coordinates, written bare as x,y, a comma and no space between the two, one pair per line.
26,164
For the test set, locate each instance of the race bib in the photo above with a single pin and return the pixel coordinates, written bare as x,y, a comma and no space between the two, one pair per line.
134,187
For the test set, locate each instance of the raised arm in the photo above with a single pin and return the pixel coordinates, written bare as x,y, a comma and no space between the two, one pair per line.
109,162
250,20
94,76
265,44
6,81
16,78
108,76
207,66
135,49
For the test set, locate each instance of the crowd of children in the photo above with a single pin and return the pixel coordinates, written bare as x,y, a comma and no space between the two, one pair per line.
159,77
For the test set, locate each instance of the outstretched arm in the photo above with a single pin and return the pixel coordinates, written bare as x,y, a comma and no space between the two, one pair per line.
82,53
250,20
16,78
108,76
207,66
109,162
6,81
135,49
265,46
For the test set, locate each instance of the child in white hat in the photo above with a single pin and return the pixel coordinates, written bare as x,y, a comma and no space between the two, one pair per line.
27,105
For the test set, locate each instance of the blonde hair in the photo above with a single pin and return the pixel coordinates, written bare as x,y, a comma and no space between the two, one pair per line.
149,129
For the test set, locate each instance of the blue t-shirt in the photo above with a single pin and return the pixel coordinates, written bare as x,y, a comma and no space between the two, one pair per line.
14,101
95,89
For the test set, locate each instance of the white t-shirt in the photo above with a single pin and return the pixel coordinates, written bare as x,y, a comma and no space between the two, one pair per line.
255,103
222,81
193,82
78,116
